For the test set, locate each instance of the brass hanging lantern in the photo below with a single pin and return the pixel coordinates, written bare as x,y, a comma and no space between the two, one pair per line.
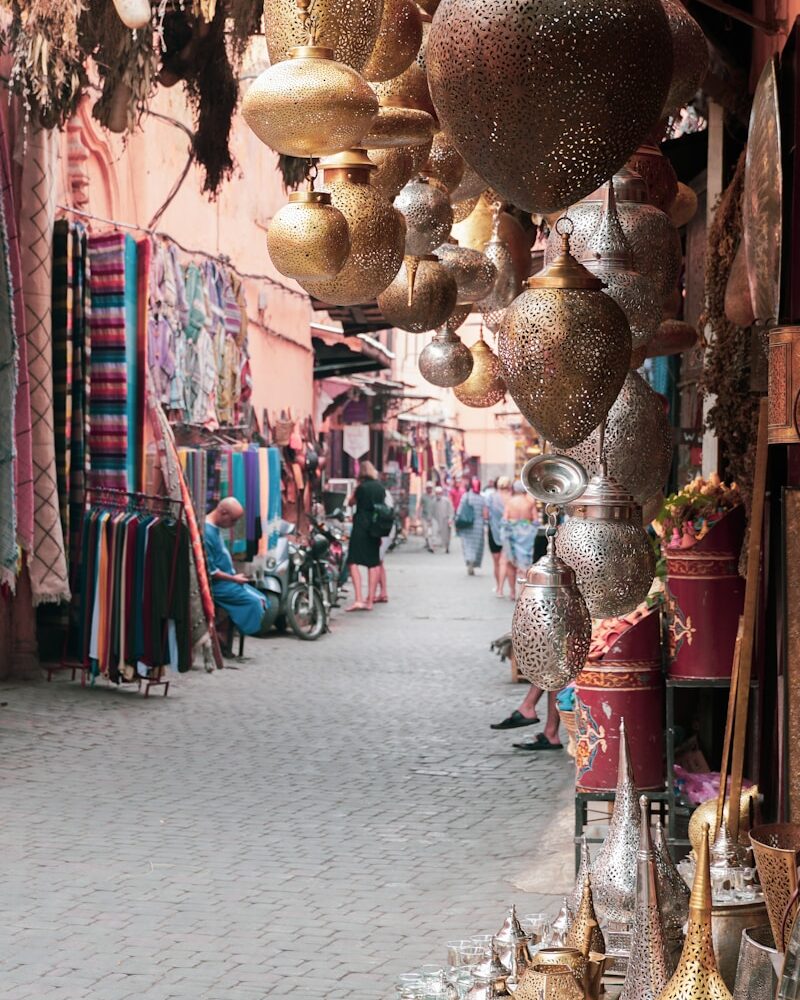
485,386
409,90
614,868
584,932
421,297
308,238
309,104
565,348
506,285
673,898
494,319
428,214
394,169
654,240
377,233
471,185
420,153
648,967
557,127
697,976
608,256
658,174
445,164
350,29
398,125
604,542
638,441
463,209
689,57
474,272
399,39
458,318
445,361
551,629
476,230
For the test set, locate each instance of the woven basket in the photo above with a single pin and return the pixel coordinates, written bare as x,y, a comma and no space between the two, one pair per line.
570,723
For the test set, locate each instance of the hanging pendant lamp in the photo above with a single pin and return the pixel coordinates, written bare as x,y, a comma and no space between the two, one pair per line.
398,42
458,318
474,272
394,169
471,185
428,214
350,29
689,57
506,285
565,349
377,233
308,238
484,386
476,230
446,361
658,174
421,297
445,164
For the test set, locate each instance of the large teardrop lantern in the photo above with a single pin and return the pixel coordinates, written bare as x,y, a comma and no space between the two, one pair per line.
485,386
545,131
446,361
398,40
308,238
350,29
421,297
394,169
428,214
551,629
565,348
377,233
689,56
476,230
506,285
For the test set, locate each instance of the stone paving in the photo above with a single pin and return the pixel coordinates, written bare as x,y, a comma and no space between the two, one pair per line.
309,824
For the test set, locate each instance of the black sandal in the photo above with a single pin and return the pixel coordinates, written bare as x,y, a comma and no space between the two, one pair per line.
541,742
515,721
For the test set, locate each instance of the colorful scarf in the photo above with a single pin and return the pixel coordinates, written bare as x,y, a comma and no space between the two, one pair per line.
274,499
62,361
132,466
8,388
80,389
239,546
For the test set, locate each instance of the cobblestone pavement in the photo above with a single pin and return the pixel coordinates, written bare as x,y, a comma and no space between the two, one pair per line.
309,824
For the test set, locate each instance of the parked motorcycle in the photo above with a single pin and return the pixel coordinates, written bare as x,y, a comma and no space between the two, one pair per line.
291,585
329,542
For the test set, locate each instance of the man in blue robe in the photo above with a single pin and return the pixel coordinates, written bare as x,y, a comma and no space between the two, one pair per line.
231,591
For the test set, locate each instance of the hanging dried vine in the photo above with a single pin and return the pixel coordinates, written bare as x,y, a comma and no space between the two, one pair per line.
734,415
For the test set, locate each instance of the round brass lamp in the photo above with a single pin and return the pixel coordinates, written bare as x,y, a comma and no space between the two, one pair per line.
474,273
395,168
446,361
476,230
506,286
428,214
349,28
398,41
421,297
689,56
308,238
445,164
484,387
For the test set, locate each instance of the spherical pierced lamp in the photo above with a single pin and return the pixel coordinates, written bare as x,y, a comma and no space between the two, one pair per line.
395,168
463,209
506,286
476,230
458,318
409,89
428,214
310,105
471,185
308,238
398,125
446,361
398,41
485,385
421,297
474,272
349,28
377,233
689,57
564,346
444,163
557,126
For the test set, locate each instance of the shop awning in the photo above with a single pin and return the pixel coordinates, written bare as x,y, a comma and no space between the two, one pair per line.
363,318
335,354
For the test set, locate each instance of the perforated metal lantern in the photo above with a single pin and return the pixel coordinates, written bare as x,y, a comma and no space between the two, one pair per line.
689,56
609,257
673,897
458,318
471,185
602,539
308,238
349,27
421,297
583,870
658,174
397,125
474,272
446,361
544,132
564,347
638,441
463,209
428,214
476,230
484,386
584,932
654,240
409,90
377,233
395,168
445,164
506,285
310,105
398,42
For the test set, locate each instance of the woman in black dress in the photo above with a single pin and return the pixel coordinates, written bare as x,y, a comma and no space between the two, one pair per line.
364,549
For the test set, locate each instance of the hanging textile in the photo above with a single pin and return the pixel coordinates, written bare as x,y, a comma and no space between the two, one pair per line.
239,491
108,422
63,248
48,564
131,361
274,498
80,390
143,263
8,389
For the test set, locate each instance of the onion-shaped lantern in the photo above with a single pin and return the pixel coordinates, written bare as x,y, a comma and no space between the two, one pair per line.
445,164
654,240
458,318
428,214
484,386
506,285
551,629
377,233
609,257
350,29
446,361
689,56
565,349
658,174
395,168
559,126
638,441
399,39
308,238
474,272
421,297
409,89
476,230
399,125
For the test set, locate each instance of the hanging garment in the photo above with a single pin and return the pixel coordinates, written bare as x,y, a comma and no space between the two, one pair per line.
63,255
79,391
131,361
274,500
8,389
143,263
239,546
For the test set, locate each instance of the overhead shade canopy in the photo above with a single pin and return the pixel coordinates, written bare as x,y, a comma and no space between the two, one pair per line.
335,354
364,318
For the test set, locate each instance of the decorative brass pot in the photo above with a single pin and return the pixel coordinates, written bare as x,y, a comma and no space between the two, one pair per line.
395,168
689,56
350,29
428,214
543,981
398,42
565,348
488,56
310,105
308,238
444,163
446,361
485,386
421,297
474,272
377,233
476,231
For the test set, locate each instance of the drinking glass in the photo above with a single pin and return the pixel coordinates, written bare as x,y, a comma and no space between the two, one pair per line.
537,927
472,954
454,951
484,942
410,986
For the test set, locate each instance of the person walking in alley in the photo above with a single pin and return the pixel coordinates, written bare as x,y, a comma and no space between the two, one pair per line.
458,488
525,715
470,525
365,546
496,504
231,590
426,515
519,528
443,517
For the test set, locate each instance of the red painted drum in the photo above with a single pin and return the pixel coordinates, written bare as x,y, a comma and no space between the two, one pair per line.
627,683
705,597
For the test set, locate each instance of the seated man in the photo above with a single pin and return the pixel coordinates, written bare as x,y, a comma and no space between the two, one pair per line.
244,604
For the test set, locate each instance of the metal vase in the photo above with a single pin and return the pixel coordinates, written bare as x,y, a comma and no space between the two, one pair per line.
756,976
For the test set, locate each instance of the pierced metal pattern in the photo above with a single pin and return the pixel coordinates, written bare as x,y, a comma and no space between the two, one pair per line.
394,127
658,174
463,209
584,932
638,443
377,244
349,27
458,318
431,302
474,273
583,870
428,215
444,163
673,897
399,39
755,973
546,131
565,354
472,185
689,56
310,105
614,868
409,90
484,386
446,361
308,238
775,848
476,231
395,170
506,286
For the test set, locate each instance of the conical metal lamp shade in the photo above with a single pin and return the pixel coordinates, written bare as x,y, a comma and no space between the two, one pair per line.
673,897
584,932
583,870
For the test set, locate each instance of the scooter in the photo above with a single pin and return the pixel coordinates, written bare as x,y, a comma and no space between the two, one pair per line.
293,598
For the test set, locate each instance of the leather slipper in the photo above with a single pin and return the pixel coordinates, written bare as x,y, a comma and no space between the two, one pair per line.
515,721
540,743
